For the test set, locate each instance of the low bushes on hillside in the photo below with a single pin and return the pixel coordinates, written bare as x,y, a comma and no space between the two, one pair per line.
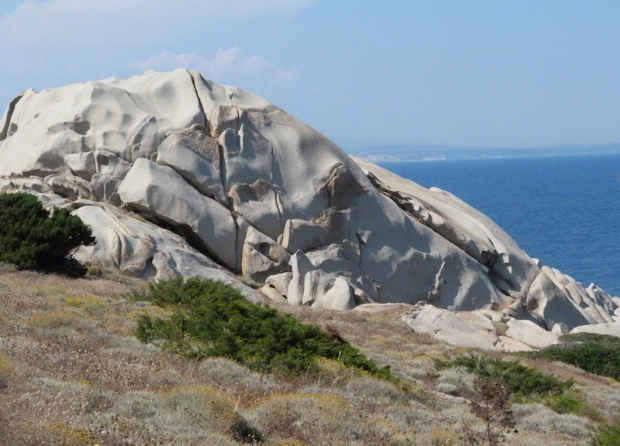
520,380
607,435
32,238
598,354
213,319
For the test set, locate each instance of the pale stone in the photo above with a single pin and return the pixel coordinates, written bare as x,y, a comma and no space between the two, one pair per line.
610,329
210,162
531,334
506,344
195,156
159,191
273,294
316,283
559,329
303,235
551,304
380,308
339,297
477,319
262,256
460,224
280,282
145,250
448,327
300,266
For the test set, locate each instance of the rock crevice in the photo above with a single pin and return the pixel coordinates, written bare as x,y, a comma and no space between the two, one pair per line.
7,128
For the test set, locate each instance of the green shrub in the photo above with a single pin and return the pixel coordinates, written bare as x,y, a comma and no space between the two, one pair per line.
593,353
213,319
607,435
244,432
564,403
570,402
31,238
521,381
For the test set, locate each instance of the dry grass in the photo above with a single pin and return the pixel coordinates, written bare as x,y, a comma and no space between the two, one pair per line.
71,373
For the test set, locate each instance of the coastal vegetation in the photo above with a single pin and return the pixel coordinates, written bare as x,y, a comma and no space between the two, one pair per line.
73,373
607,435
520,380
33,238
213,319
598,354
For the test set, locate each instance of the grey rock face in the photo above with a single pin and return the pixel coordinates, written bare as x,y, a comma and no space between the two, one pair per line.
180,176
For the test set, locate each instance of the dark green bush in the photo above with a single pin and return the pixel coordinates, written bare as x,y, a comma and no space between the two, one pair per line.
213,319
564,403
31,238
244,432
607,435
522,381
594,353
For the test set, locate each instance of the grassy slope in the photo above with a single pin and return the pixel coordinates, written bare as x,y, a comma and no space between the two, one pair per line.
71,372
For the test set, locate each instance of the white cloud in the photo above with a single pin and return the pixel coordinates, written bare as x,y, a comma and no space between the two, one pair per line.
131,22
228,65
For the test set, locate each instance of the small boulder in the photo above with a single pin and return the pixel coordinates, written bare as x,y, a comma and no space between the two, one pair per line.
609,329
531,334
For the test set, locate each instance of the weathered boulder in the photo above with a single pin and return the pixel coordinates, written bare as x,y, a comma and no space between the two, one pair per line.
481,329
280,282
262,256
300,266
303,235
140,248
609,329
531,334
554,297
162,194
448,327
229,183
462,225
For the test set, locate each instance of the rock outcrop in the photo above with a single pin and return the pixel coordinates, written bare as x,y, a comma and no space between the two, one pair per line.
180,176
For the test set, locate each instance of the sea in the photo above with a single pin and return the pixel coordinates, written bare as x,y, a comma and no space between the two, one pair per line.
564,210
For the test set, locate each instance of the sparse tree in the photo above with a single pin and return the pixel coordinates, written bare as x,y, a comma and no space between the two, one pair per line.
493,407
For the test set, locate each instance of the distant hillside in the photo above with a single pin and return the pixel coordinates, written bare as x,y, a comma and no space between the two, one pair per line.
441,153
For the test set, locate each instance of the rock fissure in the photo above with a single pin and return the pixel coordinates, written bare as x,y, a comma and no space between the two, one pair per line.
182,230
276,199
403,203
223,173
193,184
4,132
276,195
237,253
205,121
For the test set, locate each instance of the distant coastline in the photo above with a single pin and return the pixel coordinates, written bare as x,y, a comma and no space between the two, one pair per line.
417,153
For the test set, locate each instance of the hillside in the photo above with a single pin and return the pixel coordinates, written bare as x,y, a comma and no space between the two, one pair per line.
74,374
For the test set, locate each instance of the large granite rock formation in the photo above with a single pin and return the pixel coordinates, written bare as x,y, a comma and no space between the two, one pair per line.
179,175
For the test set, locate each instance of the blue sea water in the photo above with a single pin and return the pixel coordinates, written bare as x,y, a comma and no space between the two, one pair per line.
564,210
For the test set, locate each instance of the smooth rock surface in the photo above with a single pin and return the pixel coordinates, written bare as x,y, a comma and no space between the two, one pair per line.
480,329
160,192
531,334
243,186
610,329
446,326
143,249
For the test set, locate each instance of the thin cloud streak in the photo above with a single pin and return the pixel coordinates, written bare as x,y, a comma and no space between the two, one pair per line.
227,65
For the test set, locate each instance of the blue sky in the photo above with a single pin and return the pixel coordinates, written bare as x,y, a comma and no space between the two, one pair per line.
468,73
